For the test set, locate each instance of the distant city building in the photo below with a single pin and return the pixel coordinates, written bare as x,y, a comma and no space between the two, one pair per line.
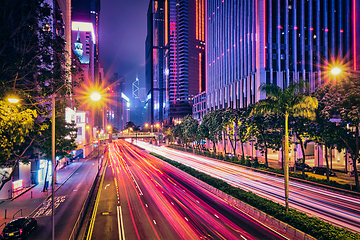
117,113
274,42
89,11
175,58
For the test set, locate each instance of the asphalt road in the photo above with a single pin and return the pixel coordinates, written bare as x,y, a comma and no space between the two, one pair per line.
68,203
142,197
333,207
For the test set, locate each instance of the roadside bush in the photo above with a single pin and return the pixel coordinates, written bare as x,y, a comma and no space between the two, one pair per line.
256,162
310,225
248,161
242,160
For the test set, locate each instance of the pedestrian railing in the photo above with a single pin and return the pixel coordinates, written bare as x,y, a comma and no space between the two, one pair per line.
17,213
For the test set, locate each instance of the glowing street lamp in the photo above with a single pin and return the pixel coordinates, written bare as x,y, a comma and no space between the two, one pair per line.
95,96
13,99
335,71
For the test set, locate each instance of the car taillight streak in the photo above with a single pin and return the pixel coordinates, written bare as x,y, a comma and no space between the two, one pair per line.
21,231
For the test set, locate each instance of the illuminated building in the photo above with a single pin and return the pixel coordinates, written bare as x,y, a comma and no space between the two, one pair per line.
278,42
274,42
154,56
89,11
175,57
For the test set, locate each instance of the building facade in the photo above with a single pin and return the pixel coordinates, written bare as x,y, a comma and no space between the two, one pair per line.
278,42
251,42
175,57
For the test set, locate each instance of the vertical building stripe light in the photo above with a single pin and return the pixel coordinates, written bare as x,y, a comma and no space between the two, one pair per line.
354,34
197,17
200,73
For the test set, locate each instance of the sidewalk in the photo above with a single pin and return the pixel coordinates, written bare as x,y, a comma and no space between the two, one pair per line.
27,202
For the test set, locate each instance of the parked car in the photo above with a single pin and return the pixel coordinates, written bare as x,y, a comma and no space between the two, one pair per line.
19,228
322,171
307,168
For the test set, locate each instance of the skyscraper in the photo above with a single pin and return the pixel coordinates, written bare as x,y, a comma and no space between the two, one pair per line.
177,28
89,11
278,42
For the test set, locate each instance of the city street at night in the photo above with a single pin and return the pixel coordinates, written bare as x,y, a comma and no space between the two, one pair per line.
144,198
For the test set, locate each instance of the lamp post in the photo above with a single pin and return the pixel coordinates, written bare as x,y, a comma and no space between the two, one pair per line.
95,96
158,127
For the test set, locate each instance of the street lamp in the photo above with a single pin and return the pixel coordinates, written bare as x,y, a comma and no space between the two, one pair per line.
335,71
13,99
158,127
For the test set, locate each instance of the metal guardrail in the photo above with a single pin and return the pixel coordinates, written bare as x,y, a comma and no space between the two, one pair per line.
17,212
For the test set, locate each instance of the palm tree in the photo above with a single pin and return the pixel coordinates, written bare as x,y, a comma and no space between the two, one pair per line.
289,101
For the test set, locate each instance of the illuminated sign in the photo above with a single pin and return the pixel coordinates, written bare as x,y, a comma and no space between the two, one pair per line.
125,97
84,27
17,184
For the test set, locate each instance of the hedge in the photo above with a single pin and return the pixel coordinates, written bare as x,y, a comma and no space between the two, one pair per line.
311,225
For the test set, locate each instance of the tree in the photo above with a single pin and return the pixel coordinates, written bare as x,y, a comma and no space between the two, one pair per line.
179,133
130,124
169,134
15,126
230,120
343,100
243,128
211,126
289,101
189,126
33,64
301,128
265,128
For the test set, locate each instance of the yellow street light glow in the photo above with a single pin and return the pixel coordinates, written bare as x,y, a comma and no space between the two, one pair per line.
87,127
13,100
131,129
95,96
157,125
108,127
146,125
335,71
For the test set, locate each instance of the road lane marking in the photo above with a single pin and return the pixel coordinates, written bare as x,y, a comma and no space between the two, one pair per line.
93,217
154,221
107,185
146,205
120,224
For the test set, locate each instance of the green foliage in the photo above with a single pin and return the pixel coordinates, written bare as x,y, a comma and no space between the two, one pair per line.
256,162
248,161
15,125
310,225
242,160
64,138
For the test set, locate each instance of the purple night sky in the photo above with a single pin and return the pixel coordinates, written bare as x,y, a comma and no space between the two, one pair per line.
122,37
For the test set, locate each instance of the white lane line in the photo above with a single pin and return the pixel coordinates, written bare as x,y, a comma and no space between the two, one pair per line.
120,224
146,205
107,185
154,221
242,237
216,216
